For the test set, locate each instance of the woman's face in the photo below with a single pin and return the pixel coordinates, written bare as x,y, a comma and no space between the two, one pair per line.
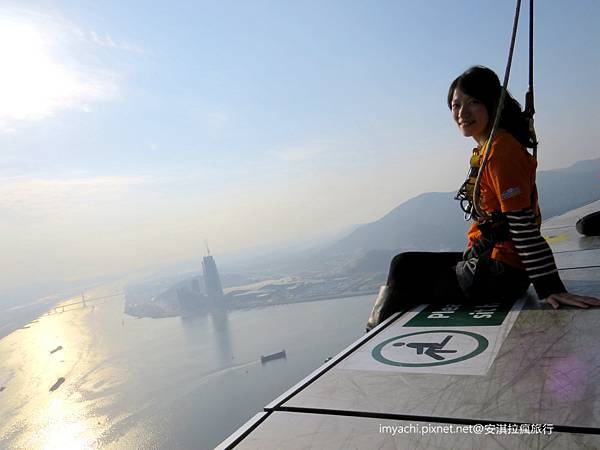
470,115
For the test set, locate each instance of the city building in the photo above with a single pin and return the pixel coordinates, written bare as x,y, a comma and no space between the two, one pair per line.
212,281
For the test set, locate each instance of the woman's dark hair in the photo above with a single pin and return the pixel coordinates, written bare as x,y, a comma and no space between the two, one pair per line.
483,84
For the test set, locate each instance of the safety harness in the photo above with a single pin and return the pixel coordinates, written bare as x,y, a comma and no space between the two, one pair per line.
466,191
470,191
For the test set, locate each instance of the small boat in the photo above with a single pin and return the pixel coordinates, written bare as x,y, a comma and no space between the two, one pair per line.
56,349
56,385
272,356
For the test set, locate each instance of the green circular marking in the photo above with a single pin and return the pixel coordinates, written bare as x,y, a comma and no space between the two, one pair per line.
482,344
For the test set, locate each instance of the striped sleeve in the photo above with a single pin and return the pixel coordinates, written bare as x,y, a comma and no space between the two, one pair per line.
535,252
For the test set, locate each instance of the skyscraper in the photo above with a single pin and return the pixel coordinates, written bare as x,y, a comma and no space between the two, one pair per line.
212,281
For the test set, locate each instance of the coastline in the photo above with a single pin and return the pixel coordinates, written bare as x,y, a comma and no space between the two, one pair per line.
34,312
234,307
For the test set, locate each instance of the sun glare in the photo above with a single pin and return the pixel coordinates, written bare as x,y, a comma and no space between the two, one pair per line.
32,85
33,82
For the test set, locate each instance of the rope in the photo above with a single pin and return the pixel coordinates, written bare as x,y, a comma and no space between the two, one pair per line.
477,191
529,107
531,51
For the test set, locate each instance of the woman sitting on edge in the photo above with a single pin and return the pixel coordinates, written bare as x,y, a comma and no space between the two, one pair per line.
505,254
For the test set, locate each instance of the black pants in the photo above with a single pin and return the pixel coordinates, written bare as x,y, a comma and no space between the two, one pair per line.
451,277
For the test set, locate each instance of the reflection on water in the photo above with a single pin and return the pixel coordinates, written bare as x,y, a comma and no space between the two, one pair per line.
220,325
160,383
31,414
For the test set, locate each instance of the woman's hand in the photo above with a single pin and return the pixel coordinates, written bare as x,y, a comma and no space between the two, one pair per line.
565,298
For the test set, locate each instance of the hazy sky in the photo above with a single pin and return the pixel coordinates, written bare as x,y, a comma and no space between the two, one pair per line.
130,131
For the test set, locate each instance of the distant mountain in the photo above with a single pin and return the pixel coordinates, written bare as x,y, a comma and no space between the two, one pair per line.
433,221
564,189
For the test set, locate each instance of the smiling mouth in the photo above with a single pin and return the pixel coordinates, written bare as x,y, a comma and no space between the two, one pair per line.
466,124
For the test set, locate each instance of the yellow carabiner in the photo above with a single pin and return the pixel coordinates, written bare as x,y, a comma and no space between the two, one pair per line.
475,161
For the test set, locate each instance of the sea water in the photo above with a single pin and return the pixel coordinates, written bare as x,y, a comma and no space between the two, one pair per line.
173,383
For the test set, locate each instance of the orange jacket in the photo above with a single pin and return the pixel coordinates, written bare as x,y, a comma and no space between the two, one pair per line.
507,184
